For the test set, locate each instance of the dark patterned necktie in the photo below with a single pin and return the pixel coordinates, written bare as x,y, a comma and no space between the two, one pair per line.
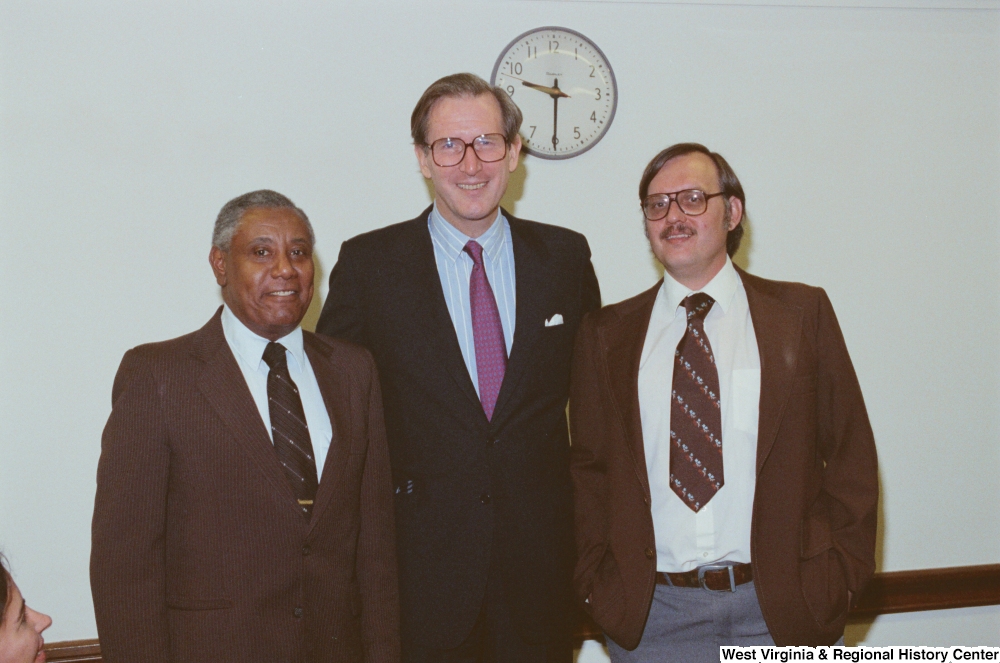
487,332
695,412
289,430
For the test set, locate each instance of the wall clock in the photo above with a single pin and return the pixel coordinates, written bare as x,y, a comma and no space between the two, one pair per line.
565,88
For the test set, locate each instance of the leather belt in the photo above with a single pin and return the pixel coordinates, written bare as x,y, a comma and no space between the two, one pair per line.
713,577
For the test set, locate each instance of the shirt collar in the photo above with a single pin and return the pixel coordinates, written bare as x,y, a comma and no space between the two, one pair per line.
452,241
250,347
722,288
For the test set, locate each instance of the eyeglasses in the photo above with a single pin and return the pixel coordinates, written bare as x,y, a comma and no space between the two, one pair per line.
450,151
691,201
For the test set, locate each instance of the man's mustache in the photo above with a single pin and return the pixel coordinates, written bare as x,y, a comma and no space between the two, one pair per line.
678,228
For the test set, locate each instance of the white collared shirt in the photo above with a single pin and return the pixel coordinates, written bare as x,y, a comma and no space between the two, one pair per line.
454,268
248,349
720,531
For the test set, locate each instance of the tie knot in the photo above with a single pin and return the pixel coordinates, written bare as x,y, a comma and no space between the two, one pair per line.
698,305
475,251
274,355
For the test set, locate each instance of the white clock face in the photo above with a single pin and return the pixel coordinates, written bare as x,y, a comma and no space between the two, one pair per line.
563,85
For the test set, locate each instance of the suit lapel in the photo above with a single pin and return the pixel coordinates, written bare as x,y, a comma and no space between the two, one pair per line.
224,387
530,277
421,304
337,401
622,342
778,328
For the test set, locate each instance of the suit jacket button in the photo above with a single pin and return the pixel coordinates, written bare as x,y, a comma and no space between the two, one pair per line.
485,498
650,553
492,441
297,612
306,551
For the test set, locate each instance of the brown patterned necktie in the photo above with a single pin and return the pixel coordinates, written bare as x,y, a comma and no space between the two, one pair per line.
695,412
289,429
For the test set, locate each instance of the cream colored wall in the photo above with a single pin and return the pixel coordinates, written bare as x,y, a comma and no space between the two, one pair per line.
868,140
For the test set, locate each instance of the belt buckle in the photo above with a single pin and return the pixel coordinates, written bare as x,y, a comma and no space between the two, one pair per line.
716,567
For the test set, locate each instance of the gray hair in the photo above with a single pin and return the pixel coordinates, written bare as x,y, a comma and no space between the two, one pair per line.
232,213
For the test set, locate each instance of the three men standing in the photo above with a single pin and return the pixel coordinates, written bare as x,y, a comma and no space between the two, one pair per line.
470,314
723,463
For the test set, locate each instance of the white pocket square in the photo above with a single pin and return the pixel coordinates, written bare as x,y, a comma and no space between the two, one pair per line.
554,320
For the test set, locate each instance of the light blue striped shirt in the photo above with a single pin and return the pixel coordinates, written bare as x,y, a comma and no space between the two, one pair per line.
455,267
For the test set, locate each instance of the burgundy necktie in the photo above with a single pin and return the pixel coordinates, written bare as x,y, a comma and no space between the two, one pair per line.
487,331
289,429
695,412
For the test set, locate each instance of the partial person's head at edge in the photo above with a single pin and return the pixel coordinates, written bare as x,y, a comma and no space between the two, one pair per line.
465,137
693,247
20,627
262,257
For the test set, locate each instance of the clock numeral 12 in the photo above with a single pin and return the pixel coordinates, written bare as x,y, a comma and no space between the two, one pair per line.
553,46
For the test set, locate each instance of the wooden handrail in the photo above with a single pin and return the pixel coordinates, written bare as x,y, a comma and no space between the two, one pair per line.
74,651
929,589
887,593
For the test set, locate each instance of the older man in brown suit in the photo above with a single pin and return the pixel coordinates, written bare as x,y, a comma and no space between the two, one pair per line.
244,508
724,466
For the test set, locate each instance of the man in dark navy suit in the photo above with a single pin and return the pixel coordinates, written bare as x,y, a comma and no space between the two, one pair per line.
471,314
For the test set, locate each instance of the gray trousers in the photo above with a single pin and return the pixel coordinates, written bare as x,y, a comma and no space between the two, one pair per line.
689,625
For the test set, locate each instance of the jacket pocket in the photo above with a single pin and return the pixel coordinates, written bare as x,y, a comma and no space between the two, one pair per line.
824,584
194,603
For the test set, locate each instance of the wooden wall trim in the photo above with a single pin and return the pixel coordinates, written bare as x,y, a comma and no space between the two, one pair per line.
74,651
929,589
887,593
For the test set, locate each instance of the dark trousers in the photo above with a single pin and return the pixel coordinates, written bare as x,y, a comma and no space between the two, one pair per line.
494,638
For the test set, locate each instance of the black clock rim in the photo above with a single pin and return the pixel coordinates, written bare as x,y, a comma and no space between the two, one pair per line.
614,85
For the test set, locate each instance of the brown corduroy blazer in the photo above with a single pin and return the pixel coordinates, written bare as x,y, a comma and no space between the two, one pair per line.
200,552
815,501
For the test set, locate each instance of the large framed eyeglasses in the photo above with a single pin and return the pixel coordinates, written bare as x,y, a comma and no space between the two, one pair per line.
450,151
691,201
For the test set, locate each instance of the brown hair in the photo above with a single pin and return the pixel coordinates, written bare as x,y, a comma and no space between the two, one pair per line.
463,85
5,583
728,182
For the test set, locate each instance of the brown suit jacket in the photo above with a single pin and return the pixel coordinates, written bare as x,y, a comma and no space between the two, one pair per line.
814,512
200,552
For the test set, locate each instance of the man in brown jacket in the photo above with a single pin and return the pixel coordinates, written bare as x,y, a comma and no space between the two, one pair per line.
244,508
723,463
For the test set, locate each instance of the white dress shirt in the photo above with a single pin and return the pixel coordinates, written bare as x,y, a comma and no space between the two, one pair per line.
720,531
248,348
454,269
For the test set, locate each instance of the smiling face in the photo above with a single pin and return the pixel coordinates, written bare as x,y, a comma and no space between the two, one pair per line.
267,274
692,248
468,194
21,631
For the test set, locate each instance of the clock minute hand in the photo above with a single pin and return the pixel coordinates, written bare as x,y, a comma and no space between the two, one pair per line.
555,112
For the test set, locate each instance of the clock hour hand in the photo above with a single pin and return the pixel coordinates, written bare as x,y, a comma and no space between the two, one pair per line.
554,92
551,91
